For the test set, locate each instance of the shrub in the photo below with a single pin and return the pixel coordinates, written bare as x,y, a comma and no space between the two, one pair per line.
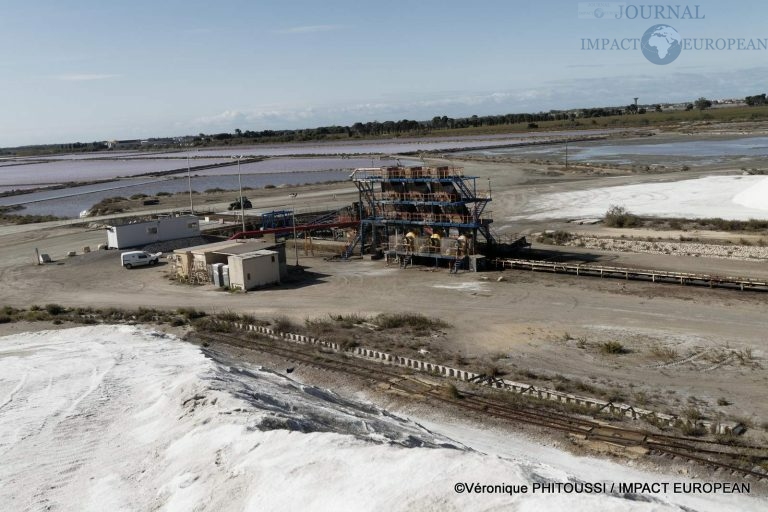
191,313
619,217
451,391
664,353
36,316
213,325
613,347
349,321
561,237
692,414
415,321
348,344
54,309
146,314
283,324
318,327
228,316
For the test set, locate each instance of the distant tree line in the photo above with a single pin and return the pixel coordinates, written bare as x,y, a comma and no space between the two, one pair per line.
387,128
411,127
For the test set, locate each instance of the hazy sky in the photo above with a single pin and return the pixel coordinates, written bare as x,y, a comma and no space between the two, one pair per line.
86,70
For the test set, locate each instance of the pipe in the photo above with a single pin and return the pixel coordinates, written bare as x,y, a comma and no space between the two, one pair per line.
303,227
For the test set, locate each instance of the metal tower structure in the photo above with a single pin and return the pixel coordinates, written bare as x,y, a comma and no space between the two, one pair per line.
413,213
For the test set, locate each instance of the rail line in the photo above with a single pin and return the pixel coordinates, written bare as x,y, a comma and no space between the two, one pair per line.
727,457
651,275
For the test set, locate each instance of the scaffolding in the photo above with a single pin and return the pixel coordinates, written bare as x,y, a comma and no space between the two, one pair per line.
277,219
421,213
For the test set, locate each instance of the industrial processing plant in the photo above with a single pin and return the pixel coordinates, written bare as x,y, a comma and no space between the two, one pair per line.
424,215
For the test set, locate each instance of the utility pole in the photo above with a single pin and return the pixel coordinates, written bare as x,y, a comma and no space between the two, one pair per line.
189,181
240,185
293,215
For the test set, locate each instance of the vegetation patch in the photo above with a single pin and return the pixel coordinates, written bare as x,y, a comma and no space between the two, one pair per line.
8,217
558,237
613,348
664,353
107,206
414,321
619,217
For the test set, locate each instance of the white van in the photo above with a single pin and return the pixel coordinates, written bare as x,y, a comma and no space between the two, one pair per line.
132,259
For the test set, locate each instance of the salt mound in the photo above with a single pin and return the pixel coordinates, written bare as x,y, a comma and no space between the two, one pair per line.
756,196
122,418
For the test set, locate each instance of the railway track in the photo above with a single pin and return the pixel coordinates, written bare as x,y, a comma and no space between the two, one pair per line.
637,274
712,453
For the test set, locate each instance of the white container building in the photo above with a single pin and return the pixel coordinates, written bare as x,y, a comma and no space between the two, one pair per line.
253,269
136,234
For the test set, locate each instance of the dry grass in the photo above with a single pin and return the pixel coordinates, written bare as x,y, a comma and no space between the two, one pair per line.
664,353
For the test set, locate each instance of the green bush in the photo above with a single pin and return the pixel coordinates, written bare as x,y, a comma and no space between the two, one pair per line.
54,309
619,217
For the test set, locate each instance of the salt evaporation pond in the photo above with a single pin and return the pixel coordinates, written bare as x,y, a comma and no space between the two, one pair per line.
65,171
646,151
388,146
728,197
70,202
124,418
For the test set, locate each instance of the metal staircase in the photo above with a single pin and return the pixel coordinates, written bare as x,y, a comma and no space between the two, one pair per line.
349,249
466,193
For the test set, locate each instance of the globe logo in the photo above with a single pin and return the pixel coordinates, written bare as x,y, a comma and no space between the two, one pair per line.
599,13
661,44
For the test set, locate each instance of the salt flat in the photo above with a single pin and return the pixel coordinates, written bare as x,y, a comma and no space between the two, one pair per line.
124,418
729,197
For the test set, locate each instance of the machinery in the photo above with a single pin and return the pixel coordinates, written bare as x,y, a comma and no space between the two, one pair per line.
438,208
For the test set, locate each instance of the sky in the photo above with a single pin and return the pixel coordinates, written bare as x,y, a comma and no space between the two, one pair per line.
83,70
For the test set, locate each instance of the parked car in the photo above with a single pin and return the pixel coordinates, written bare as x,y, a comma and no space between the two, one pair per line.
132,259
236,204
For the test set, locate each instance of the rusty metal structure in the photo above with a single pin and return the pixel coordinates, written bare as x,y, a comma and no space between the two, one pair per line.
431,215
